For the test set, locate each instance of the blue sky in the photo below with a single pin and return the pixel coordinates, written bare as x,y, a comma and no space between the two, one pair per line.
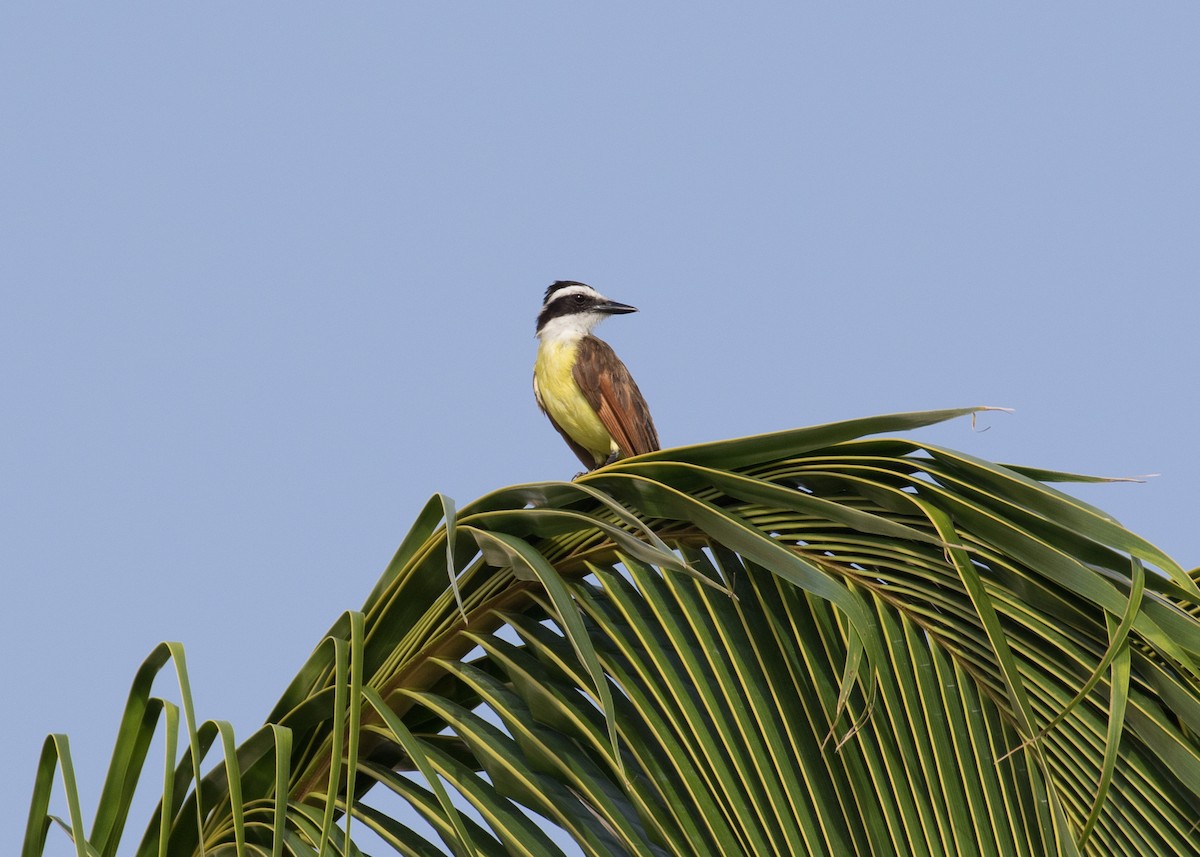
270,274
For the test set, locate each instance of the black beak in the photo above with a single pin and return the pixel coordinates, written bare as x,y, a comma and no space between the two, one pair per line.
614,308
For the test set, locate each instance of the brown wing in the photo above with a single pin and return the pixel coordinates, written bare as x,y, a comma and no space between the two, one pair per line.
612,393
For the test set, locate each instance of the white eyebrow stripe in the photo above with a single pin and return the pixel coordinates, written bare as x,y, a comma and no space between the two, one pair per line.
569,291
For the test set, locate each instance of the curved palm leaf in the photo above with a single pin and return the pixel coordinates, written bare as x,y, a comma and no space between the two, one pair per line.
805,642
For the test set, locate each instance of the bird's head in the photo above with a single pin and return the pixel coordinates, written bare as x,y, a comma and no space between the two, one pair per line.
570,310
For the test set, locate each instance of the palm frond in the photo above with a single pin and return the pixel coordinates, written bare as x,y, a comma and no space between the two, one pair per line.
813,641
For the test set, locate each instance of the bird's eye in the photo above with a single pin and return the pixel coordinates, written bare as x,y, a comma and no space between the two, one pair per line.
579,299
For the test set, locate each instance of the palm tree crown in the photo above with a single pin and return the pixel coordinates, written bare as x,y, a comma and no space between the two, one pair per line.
819,641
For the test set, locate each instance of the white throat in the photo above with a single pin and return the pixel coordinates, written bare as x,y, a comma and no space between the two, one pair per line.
569,328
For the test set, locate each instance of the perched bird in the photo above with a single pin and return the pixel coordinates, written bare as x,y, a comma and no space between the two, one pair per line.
581,384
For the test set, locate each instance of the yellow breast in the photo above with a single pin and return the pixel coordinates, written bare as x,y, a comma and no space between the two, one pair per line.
562,400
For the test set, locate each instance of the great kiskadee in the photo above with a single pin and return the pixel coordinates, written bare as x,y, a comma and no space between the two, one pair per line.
581,385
